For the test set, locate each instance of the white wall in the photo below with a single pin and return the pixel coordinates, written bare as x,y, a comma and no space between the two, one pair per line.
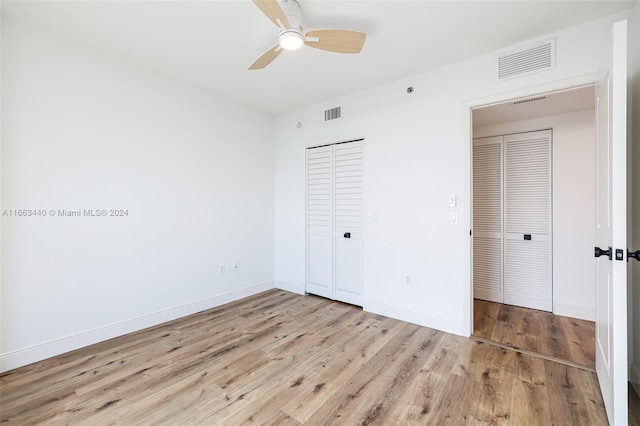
84,131
574,202
416,154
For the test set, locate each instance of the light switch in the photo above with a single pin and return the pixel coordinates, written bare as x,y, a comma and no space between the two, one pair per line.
453,218
452,200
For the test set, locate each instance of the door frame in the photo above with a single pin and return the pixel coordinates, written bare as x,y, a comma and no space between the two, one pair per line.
467,133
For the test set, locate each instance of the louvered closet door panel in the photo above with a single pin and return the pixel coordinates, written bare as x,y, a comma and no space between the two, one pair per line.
487,269
348,190
320,221
487,219
528,220
527,183
527,274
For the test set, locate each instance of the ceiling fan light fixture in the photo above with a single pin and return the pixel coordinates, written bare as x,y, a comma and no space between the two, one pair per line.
287,16
290,40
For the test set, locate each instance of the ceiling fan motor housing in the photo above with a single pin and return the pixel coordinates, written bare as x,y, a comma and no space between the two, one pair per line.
291,38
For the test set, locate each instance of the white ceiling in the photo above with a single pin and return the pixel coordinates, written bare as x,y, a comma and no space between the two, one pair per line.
536,106
211,43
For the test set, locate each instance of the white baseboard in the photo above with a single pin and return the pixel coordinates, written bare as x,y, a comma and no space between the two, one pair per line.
578,312
293,288
21,357
416,318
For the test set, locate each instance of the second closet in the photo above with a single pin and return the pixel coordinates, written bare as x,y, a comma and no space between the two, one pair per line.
512,219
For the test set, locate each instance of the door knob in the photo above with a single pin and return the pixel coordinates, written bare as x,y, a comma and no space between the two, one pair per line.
599,252
347,234
633,254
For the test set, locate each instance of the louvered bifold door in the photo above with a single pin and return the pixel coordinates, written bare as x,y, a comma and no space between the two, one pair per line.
487,219
527,280
348,244
320,221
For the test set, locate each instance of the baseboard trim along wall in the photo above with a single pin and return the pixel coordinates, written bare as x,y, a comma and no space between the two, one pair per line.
25,356
441,324
578,312
293,288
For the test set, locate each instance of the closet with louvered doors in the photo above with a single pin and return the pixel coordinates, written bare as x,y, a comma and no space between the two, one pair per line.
334,221
512,246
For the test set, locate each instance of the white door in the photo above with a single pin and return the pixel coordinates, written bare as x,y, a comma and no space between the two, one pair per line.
335,222
527,226
320,221
487,219
611,230
348,222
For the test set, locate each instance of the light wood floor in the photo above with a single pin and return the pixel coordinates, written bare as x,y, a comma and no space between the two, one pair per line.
555,336
285,359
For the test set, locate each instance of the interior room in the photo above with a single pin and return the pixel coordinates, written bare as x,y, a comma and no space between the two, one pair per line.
200,224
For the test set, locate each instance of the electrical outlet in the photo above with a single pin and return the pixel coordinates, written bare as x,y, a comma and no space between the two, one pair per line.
221,268
236,266
407,280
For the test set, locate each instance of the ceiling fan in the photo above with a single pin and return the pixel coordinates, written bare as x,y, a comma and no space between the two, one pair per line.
287,16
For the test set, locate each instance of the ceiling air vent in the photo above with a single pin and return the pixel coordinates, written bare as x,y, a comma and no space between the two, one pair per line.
524,101
332,114
527,60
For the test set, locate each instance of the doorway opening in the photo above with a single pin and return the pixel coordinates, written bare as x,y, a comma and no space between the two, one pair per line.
542,288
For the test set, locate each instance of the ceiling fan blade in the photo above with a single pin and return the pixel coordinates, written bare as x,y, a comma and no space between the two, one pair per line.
273,11
266,58
342,41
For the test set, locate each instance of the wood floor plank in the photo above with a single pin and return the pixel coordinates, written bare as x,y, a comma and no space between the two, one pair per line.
350,396
281,358
529,404
569,339
569,401
337,370
396,380
581,337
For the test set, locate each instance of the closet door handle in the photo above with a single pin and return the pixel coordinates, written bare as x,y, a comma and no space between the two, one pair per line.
633,254
599,252
347,234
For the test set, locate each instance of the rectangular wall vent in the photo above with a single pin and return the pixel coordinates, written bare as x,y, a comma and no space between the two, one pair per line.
332,114
524,101
528,60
